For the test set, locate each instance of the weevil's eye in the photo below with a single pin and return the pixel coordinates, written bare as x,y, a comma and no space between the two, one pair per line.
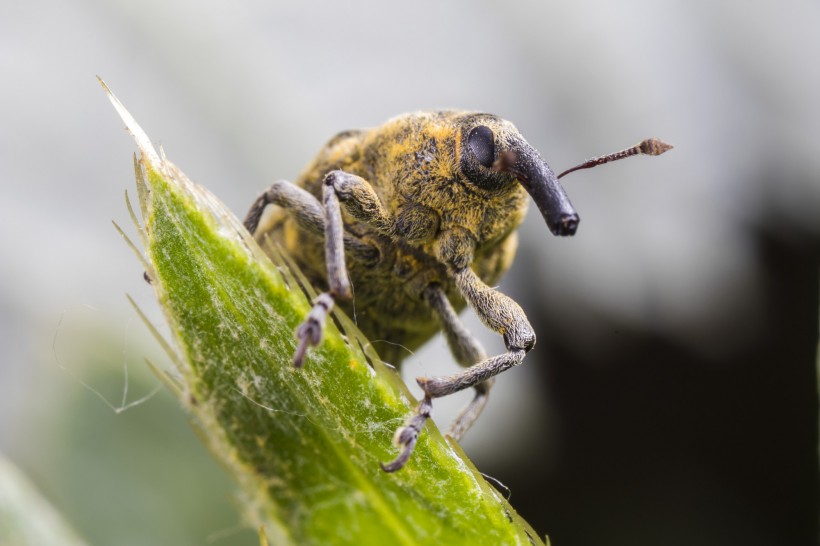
482,144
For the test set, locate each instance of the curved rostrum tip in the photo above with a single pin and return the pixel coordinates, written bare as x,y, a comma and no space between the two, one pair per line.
523,161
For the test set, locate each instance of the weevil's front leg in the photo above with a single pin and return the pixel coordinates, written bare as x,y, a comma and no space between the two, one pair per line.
407,435
310,331
311,216
467,351
499,313
325,218
363,204
478,376
359,199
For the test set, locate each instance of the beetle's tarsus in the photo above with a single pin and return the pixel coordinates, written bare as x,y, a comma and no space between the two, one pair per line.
407,436
309,333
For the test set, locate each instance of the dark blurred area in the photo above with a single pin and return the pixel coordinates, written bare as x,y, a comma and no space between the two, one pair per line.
660,444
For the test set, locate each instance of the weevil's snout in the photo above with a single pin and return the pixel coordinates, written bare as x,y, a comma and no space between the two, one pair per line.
541,183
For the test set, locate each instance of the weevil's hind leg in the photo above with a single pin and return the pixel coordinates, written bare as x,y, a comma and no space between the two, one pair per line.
467,351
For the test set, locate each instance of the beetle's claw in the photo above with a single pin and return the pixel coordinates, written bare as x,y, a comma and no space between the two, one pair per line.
400,461
309,333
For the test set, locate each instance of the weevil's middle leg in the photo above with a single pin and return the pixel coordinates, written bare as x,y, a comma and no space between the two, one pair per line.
304,207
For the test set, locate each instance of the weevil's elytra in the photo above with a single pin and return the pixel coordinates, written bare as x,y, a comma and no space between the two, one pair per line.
417,218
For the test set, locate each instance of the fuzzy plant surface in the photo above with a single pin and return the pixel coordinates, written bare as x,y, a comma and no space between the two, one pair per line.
303,444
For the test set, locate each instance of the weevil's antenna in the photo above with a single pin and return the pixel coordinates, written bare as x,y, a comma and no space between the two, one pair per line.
650,146
505,162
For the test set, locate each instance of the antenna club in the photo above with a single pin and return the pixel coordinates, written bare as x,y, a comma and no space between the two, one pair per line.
654,146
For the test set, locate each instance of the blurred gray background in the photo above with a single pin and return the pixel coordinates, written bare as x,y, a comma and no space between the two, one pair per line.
672,396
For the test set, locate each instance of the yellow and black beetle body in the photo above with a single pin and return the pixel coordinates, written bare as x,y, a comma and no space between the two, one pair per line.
406,223
412,164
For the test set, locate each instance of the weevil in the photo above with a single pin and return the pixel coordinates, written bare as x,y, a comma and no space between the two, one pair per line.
417,218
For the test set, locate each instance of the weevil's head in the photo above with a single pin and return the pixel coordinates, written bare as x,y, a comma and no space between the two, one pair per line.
492,154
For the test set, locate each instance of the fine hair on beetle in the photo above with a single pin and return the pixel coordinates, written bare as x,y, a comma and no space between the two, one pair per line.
420,215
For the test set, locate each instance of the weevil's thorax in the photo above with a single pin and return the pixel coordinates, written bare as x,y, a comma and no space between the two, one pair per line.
415,163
